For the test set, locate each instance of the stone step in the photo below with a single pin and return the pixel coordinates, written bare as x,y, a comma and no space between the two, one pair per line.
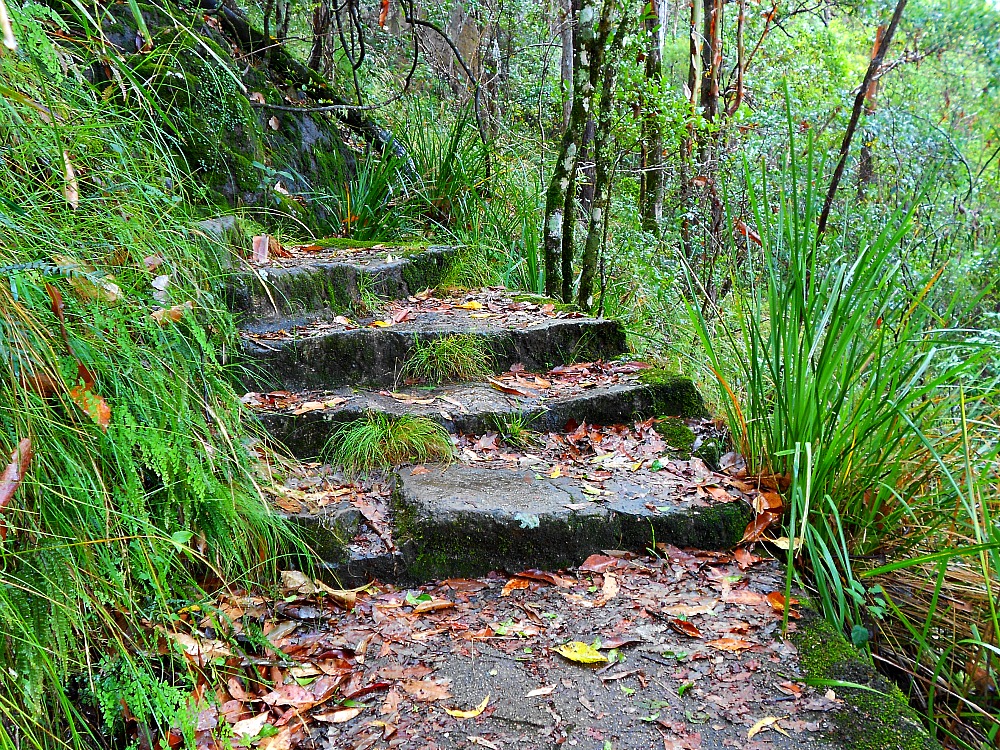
466,520
370,352
596,393
332,278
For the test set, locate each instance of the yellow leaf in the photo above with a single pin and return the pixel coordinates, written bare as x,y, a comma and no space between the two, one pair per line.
469,714
782,542
470,305
556,473
580,653
380,324
765,723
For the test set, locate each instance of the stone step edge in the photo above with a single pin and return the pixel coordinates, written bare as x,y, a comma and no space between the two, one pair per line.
281,296
474,544
306,435
372,357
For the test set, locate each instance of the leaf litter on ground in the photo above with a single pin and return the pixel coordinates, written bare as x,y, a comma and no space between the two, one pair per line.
375,673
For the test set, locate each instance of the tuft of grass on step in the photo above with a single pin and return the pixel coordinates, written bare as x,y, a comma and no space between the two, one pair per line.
515,429
449,359
378,441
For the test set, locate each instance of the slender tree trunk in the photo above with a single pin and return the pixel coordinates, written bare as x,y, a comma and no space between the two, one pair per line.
859,103
597,220
566,62
559,211
866,166
565,168
651,157
711,57
688,170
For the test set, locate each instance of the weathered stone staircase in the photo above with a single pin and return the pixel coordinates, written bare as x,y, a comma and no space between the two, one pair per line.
315,363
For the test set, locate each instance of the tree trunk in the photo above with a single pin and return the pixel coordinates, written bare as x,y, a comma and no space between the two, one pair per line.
566,62
688,170
597,220
866,166
651,157
711,58
859,101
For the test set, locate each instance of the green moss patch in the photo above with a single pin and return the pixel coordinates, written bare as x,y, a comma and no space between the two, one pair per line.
877,715
677,434
674,395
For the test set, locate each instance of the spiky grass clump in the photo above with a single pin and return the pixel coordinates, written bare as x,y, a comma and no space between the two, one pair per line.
449,359
515,429
379,442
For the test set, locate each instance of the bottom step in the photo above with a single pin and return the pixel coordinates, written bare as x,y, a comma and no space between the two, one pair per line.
463,521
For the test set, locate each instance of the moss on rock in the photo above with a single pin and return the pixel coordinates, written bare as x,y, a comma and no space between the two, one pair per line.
677,434
877,715
674,395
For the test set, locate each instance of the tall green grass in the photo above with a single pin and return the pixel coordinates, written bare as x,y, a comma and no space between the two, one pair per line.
847,377
114,527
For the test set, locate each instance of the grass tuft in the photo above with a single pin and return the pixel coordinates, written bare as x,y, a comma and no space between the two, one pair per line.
515,429
378,441
449,359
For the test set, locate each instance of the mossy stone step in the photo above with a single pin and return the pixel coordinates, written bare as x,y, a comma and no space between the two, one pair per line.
322,285
466,521
477,408
373,357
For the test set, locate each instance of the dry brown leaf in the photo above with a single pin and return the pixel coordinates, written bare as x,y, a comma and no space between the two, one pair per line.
426,690
730,644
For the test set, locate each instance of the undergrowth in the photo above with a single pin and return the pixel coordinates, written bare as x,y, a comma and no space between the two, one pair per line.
139,491
378,441
853,384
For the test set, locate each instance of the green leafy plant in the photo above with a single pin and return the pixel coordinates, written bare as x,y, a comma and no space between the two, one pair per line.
448,358
378,441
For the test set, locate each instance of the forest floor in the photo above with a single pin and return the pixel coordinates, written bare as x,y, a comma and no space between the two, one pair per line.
683,650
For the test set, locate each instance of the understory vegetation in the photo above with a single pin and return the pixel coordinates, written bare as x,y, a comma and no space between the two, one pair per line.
795,204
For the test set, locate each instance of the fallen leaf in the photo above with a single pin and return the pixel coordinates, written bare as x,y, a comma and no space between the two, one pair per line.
250,727
13,474
71,186
514,584
458,714
434,605
730,644
416,471
258,97
340,715
777,601
768,722
541,575
426,690
274,123
92,404
685,627
172,314
580,652
538,692
599,563
470,305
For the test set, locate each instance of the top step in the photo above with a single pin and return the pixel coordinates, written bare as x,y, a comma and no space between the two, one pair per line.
333,277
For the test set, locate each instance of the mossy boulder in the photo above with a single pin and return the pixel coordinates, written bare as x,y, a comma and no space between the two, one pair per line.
877,715
238,153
